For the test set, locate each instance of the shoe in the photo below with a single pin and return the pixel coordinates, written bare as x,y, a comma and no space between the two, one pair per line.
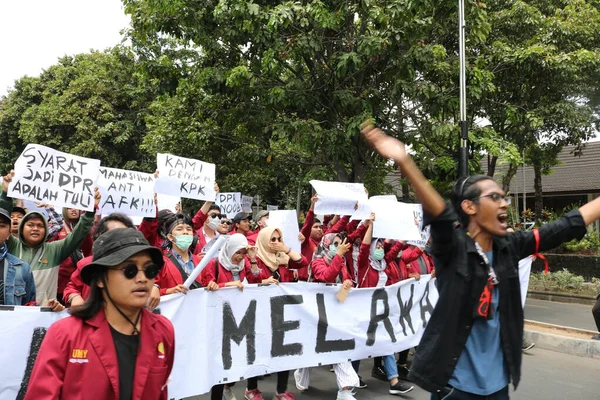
596,337
361,383
345,395
331,368
228,394
527,345
284,396
400,388
297,379
379,373
403,372
254,394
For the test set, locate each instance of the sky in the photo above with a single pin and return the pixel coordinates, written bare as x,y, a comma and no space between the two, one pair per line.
36,33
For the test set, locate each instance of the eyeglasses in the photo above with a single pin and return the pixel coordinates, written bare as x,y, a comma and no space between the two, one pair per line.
497,197
277,239
226,221
131,270
220,216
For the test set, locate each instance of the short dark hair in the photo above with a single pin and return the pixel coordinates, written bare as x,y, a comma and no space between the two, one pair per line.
466,189
167,227
102,226
214,207
316,221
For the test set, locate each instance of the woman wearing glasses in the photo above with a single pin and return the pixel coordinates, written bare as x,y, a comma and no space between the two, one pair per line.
271,263
110,347
471,347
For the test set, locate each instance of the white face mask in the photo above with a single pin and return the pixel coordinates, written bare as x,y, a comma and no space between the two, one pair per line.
214,222
265,222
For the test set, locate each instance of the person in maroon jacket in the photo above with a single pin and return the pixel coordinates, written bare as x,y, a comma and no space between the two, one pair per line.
373,271
312,232
110,347
179,259
76,291
270,263
229,269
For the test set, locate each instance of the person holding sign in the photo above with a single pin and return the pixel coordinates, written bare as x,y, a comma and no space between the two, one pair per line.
45,258
374,271
179,260
329,266
271,263
110,347
471,347
312,231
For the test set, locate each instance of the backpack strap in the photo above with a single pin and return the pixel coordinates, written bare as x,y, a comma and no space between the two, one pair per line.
184,275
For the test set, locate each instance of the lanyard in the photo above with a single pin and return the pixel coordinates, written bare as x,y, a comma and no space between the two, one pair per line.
492,273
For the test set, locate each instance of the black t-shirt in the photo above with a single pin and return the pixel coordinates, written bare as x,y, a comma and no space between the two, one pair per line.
127,349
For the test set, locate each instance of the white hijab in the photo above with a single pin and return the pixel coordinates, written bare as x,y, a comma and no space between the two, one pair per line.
236,242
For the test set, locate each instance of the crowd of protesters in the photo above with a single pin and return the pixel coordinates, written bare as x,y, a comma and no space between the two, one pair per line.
112,274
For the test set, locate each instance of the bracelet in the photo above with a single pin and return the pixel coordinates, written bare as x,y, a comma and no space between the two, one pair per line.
156,285
289,250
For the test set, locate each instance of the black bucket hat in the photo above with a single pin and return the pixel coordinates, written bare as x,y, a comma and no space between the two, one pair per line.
115,246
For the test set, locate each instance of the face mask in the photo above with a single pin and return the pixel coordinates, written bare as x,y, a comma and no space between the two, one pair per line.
184,241
333,250
378,254
265,223
214,222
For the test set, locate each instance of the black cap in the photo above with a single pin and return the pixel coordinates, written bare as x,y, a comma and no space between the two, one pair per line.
117,245
19,210
240,217
5,214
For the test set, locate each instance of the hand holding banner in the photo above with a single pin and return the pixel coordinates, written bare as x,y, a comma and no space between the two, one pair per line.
338,198
192,179
45,175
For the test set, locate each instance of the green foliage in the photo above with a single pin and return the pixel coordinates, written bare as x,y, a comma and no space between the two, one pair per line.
590,244
563,281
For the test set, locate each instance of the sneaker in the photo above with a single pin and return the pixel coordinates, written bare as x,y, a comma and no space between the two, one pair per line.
228,394
297,379
345,395
379,373
527,345
403,372
331,368
596,337
361,383
400,388
254,394
284,396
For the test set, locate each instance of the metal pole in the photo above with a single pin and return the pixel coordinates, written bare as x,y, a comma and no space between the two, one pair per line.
463,160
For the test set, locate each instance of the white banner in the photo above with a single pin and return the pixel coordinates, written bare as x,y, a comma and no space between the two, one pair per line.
365,207
46,175
287,221
247,204
231,335
230,203
395,221
128,192
166,202
340,198
425,231
185,177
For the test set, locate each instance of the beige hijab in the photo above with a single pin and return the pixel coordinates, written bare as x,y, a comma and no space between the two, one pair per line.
271,260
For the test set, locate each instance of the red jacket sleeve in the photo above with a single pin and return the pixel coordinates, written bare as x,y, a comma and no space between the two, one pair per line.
352,226
308,223
48,374
323,272
410,254
357,234
340,225
208,274
149,228
199,220
393,252
363,262
258,277
302,263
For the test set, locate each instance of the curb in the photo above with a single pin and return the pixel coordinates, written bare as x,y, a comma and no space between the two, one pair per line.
561,297
562,343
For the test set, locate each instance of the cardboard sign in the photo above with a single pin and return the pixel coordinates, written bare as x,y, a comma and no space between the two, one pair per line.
185,177
128,192
230,203
340,198
45,175
287,221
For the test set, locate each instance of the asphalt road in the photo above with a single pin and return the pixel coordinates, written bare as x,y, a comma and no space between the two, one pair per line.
565,314
547,375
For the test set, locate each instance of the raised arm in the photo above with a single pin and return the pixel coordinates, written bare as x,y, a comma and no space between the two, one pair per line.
310,219
391,148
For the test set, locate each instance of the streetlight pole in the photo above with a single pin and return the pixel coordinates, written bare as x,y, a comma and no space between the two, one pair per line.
463,160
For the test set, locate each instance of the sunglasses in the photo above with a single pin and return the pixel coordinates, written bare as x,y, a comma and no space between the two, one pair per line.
497,197
131,270
228,222
276,239
220,216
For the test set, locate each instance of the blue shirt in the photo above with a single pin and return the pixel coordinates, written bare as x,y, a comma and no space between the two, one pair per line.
189,266
481,368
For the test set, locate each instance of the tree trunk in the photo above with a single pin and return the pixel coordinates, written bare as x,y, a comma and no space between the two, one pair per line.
537,186
492,165
510,173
